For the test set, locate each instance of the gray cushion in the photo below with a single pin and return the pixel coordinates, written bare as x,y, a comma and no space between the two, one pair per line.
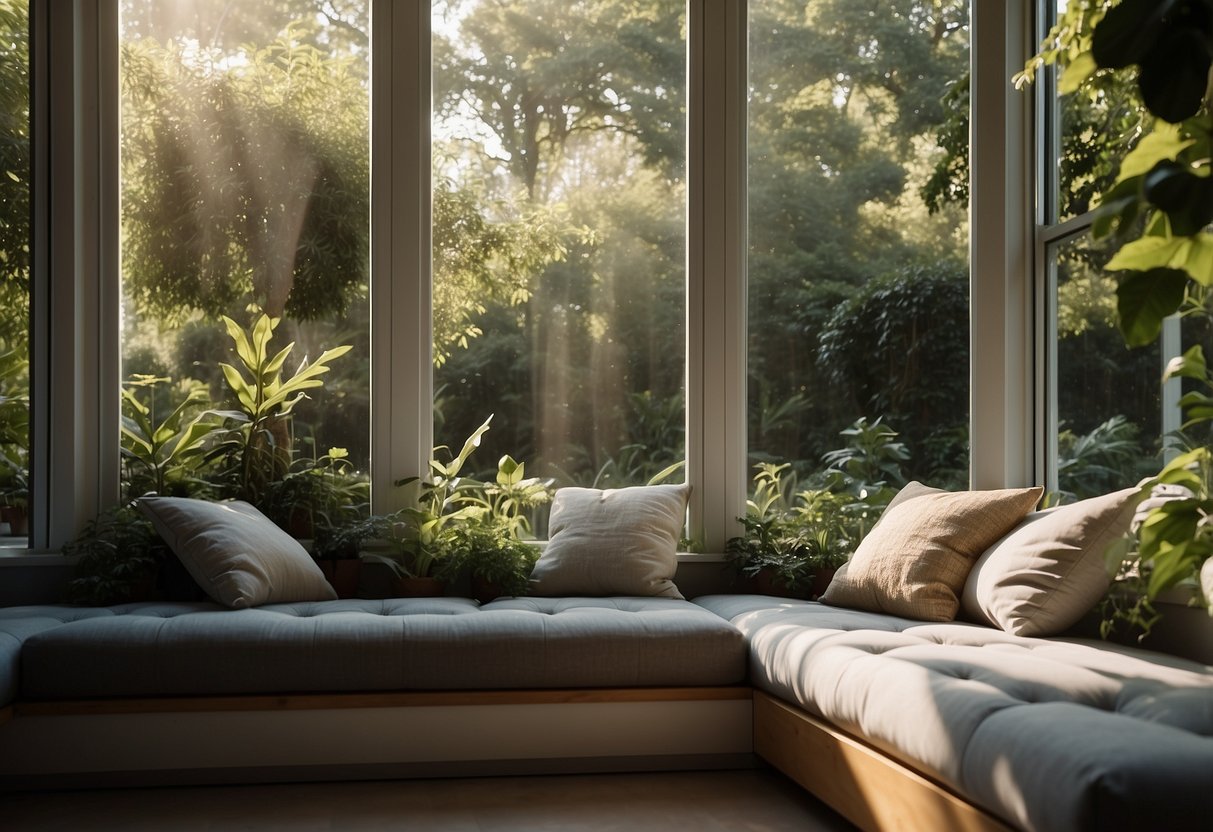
19,623
1008,721
397,644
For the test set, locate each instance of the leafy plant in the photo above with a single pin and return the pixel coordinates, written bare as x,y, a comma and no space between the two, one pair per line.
507,500
14,429
258,443
166,452
1157,209
118,555
1099,461
485,550
870,464
318,497
792,540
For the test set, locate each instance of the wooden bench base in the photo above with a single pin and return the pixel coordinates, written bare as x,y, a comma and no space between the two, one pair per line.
867,787
410,734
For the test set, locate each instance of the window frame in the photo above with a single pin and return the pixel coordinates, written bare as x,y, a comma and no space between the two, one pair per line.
76,340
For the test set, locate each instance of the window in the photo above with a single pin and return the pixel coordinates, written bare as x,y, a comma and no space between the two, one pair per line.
858,291
245,193
574,175
15,263
1107,417
559,234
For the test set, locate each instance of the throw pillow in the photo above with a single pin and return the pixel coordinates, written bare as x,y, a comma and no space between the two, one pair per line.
1043,576
915,561
616,542
236,553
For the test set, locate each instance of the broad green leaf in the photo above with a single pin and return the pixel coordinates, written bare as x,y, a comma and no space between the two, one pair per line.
244,393
1076,72
244,350
472,443
1163,142
275,363
1144,299
263,331
1189,365
1172,564
509,471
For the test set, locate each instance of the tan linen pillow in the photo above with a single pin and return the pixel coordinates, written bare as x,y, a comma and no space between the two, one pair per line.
1043,576
616,542
235,553
915,560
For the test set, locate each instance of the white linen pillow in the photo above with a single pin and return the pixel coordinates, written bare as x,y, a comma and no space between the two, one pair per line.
1049,571
235,553
620,541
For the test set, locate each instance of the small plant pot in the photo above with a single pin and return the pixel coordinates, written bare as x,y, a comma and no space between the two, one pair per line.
420,588
485,591
343,573
764,583
18,520
821,582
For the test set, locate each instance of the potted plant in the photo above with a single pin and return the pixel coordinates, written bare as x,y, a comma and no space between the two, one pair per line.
496,562
792,546
120,554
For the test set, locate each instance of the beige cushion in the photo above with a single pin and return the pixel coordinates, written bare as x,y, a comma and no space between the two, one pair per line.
915,560
1049,570
616,542
236,553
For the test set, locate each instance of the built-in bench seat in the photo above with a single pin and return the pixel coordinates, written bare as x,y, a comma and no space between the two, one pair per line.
201,649
197,693
1045,734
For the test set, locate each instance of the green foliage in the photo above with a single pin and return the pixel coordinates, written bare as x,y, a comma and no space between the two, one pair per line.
117,552
164,456
1156,210
320,498
1100,461
14,428
488,551
257,445
795,534
244,180
900,347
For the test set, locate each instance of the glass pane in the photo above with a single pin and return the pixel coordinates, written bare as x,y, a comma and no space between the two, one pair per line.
1095,127
858,294
1109,416
559,235
14,271
245,192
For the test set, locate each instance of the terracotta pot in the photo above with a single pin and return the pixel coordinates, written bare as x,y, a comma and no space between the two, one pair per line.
343,573
420,588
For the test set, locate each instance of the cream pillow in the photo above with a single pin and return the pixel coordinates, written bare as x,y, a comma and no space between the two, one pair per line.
915,560
616,542
236,553
1049,570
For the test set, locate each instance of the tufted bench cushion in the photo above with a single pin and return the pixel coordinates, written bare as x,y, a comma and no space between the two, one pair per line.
19,623
199,649
1049,734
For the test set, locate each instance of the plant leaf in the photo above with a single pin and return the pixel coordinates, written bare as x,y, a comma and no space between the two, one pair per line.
1144,298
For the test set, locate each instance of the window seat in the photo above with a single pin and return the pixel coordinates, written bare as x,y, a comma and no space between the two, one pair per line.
884,717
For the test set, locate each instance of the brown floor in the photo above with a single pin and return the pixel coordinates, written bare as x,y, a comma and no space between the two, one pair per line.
718,801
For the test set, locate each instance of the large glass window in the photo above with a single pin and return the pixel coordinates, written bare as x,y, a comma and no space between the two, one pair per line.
559,193
858,260
15,193
245,251
1108,417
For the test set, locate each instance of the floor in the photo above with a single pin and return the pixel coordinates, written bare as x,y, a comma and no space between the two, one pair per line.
717,801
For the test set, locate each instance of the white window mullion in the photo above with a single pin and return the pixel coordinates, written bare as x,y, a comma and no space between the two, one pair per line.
78,382
1004,340
401,342
716,297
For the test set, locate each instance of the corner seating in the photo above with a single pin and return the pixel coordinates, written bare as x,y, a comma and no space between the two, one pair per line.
895,723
